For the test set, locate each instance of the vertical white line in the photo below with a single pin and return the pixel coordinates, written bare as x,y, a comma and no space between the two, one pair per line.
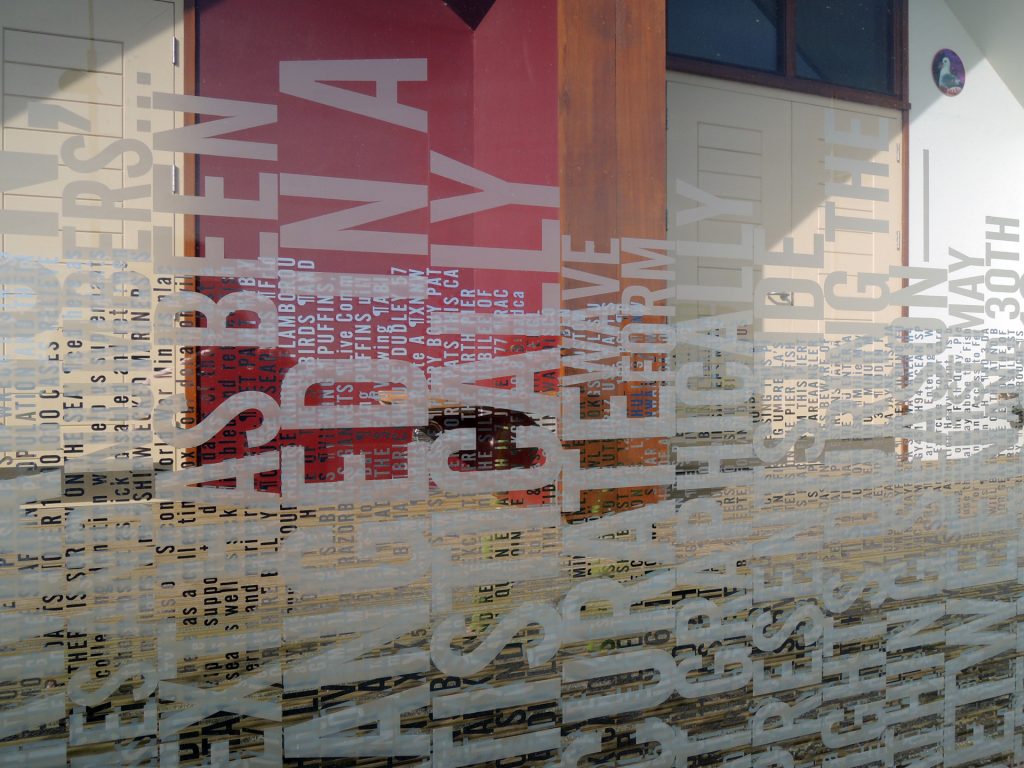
925,235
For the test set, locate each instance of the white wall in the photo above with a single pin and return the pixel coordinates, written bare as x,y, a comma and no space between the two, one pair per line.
996,25
975,142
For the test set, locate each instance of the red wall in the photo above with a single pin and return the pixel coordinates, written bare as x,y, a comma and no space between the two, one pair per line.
491,101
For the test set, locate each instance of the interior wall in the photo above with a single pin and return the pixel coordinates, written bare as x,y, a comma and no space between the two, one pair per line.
966,162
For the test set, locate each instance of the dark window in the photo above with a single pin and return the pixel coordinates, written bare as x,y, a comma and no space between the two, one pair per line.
846,42
740,32
832,47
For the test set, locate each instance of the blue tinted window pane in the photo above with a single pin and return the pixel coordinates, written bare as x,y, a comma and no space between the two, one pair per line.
846,42
739,32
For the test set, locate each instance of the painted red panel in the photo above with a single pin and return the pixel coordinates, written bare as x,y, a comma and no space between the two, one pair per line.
490,96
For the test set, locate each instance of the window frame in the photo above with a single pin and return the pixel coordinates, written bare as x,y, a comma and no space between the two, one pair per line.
787,79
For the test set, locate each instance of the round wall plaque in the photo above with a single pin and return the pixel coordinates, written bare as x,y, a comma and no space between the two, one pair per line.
948,72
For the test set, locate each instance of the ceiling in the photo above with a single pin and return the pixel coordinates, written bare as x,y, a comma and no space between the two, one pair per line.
997,27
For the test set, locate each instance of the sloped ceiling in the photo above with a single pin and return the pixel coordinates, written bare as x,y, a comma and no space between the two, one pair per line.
997,26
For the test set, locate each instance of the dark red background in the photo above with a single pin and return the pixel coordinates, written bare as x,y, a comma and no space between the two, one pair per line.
491,99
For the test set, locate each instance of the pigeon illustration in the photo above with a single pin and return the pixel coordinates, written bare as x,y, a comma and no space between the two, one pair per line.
947,79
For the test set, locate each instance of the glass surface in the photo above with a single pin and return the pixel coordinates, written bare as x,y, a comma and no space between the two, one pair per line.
740,32
845,42
382,392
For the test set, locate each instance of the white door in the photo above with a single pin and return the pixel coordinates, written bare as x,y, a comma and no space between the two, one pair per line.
781,158
71,67
79,76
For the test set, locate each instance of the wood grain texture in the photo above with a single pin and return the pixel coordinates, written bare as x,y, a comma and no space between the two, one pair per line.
611,123
640,117
612,161
588,147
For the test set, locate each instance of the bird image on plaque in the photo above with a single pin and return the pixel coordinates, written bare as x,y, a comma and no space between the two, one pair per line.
948,72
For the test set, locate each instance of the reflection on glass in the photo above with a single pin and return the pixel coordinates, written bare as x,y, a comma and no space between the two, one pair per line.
846,42
740,32
392,393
